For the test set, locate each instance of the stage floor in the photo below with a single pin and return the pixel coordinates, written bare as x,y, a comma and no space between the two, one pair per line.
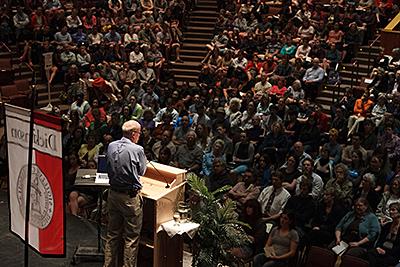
12,248
78,231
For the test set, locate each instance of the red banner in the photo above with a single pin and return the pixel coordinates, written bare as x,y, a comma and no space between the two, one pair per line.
46,220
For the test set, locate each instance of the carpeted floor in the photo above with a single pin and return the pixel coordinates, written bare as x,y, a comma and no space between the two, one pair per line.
12,248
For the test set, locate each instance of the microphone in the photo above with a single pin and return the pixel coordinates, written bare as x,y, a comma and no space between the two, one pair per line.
165,179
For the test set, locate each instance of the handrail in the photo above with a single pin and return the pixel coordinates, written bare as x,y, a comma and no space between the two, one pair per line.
393,23
6,47
369,50
333,91
337,84
375,40
352,72
27,65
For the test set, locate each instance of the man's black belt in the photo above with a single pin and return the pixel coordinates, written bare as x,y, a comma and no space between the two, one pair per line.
130,192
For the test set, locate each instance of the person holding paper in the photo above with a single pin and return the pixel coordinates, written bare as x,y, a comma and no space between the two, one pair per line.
281,244
126,162
358,228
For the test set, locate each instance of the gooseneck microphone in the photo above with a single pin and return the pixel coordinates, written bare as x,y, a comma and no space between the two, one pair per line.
165,179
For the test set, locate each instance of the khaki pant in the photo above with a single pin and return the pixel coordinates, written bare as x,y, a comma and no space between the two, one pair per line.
125,223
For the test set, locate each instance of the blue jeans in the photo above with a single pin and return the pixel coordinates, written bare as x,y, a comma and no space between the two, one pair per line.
240,169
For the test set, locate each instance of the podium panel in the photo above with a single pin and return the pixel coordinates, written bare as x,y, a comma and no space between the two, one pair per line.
158,207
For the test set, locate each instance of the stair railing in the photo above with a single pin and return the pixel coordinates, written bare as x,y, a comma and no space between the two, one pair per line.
336,84
369,50
355,63
3,45
27,65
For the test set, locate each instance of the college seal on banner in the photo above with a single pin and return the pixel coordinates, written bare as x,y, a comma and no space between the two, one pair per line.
42,201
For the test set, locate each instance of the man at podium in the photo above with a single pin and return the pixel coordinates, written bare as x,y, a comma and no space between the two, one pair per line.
126,162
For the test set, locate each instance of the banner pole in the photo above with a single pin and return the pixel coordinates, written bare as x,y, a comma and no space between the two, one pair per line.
29,176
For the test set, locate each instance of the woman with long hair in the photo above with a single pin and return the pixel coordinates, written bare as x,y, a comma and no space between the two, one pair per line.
203,137
281,245
291,173
323,166
251,214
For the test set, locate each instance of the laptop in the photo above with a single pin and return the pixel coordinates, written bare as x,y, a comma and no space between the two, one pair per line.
101,174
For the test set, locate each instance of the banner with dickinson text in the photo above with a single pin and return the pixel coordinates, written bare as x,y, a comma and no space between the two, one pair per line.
46,220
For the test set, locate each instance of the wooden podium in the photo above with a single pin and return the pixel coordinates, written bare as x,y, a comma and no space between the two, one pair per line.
159,206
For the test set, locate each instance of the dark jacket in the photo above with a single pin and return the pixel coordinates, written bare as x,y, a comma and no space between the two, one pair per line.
303,207
395,251
328,222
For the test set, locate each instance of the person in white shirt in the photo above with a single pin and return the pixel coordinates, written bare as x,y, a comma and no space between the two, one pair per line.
303,50
312,79
83,59
316,180
95,37
273,198
168,109
21,21
131,37
263,85
379,110
136,57
63,36
73,20
240,61
146,74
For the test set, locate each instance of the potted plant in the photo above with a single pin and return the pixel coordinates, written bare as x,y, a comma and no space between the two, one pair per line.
220,230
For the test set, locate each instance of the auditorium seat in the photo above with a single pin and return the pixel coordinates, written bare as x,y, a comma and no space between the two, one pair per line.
23,87
5,64
320,257
10,94
351,261
6,72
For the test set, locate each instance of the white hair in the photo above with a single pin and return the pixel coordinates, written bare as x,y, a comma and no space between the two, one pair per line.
129,127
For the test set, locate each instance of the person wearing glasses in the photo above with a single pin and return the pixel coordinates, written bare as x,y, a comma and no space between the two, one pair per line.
126,162
359,228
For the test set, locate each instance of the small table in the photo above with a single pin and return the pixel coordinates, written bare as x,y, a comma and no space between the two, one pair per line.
172,240
85,178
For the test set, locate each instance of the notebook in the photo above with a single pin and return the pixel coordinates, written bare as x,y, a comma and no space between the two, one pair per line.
341,248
